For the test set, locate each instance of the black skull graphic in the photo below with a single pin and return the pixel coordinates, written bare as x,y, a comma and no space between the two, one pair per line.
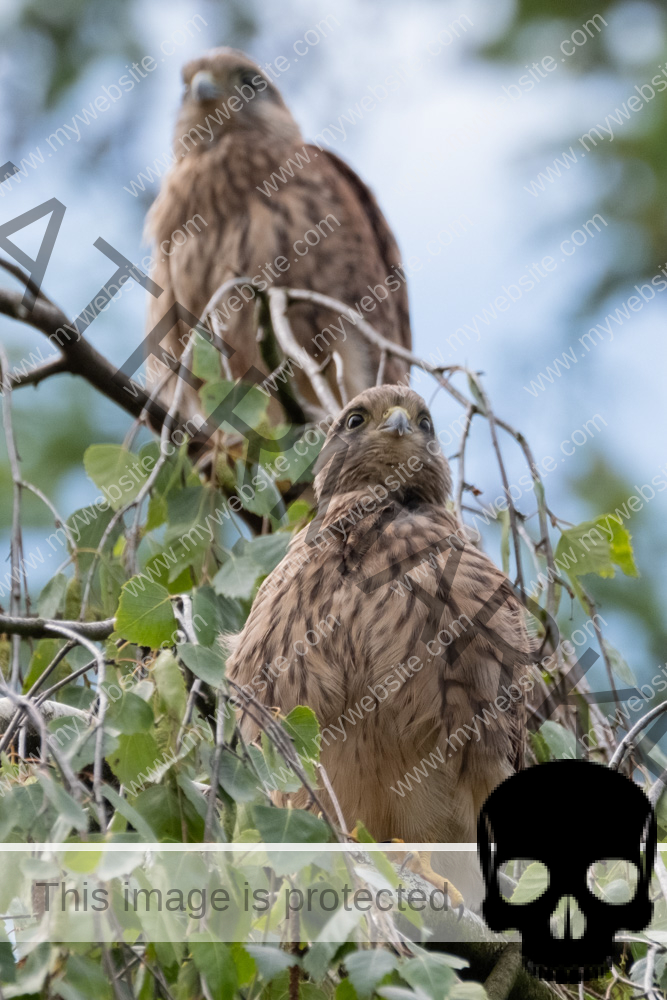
557,814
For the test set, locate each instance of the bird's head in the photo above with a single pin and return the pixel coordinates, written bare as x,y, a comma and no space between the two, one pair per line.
225,91
384,438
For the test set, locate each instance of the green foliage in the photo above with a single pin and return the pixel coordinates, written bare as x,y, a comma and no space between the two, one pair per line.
145,617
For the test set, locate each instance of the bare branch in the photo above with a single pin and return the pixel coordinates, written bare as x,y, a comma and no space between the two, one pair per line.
38,375
628,740
470,412
79,356
46,628
24,278
15,545
278,299
75,636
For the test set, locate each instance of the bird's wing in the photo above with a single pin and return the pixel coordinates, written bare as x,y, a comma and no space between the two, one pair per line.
394,583
387,247
458,612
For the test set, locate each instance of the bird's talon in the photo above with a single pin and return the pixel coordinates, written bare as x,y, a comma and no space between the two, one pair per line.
460,911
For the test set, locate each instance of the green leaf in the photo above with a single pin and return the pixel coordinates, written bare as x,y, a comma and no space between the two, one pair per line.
176,471
213,614
477,395
237,577
539,746
584,549
157,513
429,972
345,991
560,741
400,993
285,826
112,578
52,597
87,526
303,728
238,779
532,883
215,963
265,495
270,961
268,550
251,407
110,467
367,968
207,664
296,513
170,568
622,554
67,807
188,510
300,467
619,666
45,651
136,753
129,714
144,613
123,807
205,359
468,991
249,562
170,684
87,978
7,966
589,548
245,965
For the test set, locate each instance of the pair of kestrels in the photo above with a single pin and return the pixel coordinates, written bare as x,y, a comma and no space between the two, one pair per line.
385,559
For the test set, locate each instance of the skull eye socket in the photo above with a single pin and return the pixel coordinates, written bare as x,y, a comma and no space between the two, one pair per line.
613,880
525,881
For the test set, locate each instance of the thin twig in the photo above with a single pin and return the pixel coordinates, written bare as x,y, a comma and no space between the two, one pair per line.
58,520
15,544
340,377
38,374
215,770
65,681
69,778
101,712
470,412
628,740
278,299
15,721
381,367
265,720
334,800
649,972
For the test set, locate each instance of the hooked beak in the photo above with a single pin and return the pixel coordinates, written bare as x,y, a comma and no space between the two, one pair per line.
397,422
204,86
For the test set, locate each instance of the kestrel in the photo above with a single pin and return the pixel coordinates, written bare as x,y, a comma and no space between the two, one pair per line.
272,208
396,631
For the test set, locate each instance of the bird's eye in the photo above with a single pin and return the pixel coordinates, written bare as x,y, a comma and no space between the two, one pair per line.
355,420
426,425
247,79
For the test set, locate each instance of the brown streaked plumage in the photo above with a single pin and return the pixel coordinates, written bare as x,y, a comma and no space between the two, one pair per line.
220,174
361,562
